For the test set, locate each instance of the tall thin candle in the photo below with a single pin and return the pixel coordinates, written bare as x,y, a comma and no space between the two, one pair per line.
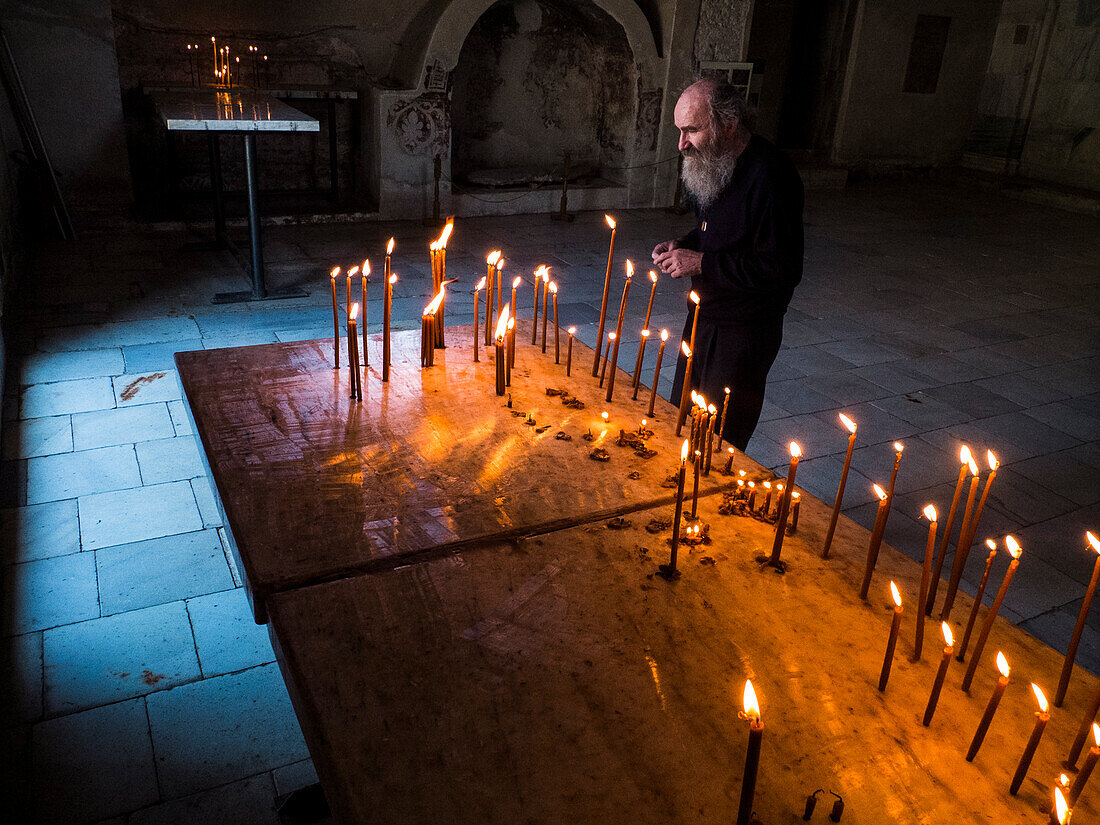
477,316
990,708
992,545
645,333
545,298
751,714
387,304
784,504
619,329
1082,615
511,350
569,351
535,314
557,335
353,355
712,422
926,574
1014,550
490,291
1086,769
835,517
695,486
972,528
498,352
669,570
512,338
637,380
937,685
606,290
364,273
891,643
960,557
722,423
335,320
1041,719
941,553
689,352
875,542
657,371
1083,731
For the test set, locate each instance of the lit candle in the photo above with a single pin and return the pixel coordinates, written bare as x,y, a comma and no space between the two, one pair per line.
606,291
490,290
353,355
442,314
1041,719
937,685
693,430
1086,769
729,462
784,505
477,315
611,338
972,529
669,570
569,351
712,421
1014,550
891,643
557,335
214,48
941,553
499,287
637,380
1059,814
688,351
545,298
926,574
1082,614
347,283
992,545
511,350
429,322
501,358
695,487
387,304
652,294
767,498
1083,731
875,543
335,319
990,708
619,329
796,502
657,370
365,273
752,496
960,555
751,714
387,269
512,338
722,423
535,314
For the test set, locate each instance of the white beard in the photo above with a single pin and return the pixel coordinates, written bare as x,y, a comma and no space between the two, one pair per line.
706,174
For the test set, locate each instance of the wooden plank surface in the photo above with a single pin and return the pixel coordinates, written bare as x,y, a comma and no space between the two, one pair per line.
314,486
559,680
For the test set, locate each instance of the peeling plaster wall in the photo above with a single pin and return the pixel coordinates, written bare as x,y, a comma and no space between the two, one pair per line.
723,30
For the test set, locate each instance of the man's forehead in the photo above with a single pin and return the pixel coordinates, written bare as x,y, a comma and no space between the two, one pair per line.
690,108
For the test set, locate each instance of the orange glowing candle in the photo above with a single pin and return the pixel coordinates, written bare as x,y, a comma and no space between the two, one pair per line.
512,338
557,334
875,543
688,351
1087,768
657,370
499,354
619,329
535,314
477,316
712,421
569,351
1083,731
545,298
365,273
972,528
784,505
941,553
960,555
992,545
1082,615
611,338
990,708
751,714
1041,719
1014,550
490,291
637,380
499,265
669,570
1060,813
511,350
347,300
851,425
926,574
722,423
937,685
387,305
353,355
335,320
606,292
695,486
891,643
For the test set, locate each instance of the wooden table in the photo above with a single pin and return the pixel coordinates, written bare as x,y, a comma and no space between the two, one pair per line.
316,487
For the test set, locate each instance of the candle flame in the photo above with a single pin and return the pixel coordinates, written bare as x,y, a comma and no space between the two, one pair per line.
572,330
964,455
434,245
546,274
713,410
895,594
516,282
727,390
1092,540
335,272
433,307
539,270
683,347
684,452
603,415
500,263
645,333
502,322
992,545
948,636
879,492
353,272
664,335
1013,546
930,512
366,268
1040,697
653,276
389,247
992,459
629,269
611,336
1063,779
1002,664
1096,734
492,257
643,422
553,287
695,398
480,284
610,222
445,235
750,703
847,422
694,296
354,311
1061,809
796,495
898,446
393,279
973,467
511,323
752,484
767,485
796,451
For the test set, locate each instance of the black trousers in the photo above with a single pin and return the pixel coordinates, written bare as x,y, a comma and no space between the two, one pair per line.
733,355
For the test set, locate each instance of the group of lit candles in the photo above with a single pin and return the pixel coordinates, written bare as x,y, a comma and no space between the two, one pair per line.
226,68
362,272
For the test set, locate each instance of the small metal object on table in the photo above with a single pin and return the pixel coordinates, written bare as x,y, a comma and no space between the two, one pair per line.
246,114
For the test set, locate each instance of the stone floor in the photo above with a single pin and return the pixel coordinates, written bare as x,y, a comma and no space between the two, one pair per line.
137,690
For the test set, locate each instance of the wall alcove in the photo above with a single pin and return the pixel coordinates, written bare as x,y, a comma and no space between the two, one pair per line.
537,79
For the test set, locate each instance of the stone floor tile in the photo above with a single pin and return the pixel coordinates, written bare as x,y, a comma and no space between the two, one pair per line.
875,425
975,401
797,398
100,661
1026,393
229,557
844,387
169,459
813,360
39,436
208,506
157,571
215,731
819,434
97,336
1055,627
46,367
148,388
39,531
1060,541
1079,423
70,475
821,477
94,764
921,410
1024,500
1064,475
49,592
296,776
21,680
66,397
250,801
1016,437
862,351
180,419
226,634
145,358
121,426
125,516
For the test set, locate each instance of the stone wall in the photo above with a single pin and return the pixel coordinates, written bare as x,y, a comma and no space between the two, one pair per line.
723,31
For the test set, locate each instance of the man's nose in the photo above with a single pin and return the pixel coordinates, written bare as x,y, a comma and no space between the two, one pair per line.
684,143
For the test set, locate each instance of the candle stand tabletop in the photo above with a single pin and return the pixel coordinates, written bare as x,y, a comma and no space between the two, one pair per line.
201,110
559,680
315,487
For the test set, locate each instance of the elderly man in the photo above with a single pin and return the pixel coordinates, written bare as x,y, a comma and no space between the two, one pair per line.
744,257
